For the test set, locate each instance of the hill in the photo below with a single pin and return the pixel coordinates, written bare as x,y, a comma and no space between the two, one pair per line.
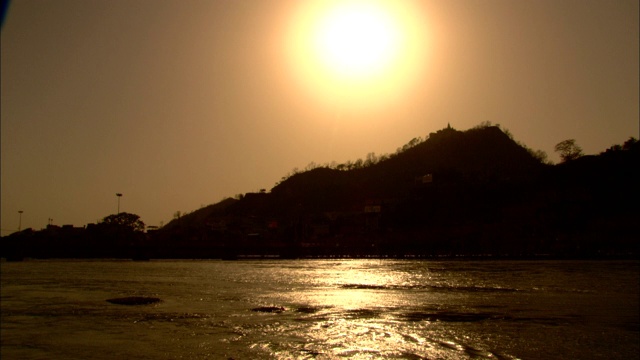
474,192
456,193
448,158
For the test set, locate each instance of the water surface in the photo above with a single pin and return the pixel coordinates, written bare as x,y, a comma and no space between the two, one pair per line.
332,309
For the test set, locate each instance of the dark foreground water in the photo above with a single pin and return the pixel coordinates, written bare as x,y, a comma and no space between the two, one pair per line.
333,309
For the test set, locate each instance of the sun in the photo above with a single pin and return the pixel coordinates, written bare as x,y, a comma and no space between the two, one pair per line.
356,38
358,53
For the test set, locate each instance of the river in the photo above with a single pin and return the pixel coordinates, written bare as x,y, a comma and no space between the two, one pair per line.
326,309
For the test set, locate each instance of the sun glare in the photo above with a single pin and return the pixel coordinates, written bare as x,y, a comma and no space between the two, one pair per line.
357,52
356,39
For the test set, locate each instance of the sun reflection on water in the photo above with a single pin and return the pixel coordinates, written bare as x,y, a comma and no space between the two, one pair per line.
358,285
370,309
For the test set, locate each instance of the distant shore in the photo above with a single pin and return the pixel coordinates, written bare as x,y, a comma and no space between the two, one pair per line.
540,257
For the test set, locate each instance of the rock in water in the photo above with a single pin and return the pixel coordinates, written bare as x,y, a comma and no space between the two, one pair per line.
269,309
134,300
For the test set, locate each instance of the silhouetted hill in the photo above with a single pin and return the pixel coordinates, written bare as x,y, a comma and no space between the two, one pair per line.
200,216
452,158
456,193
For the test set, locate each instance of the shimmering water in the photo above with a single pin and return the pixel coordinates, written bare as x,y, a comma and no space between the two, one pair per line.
360,309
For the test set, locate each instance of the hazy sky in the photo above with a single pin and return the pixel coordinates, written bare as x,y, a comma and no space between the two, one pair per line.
181,103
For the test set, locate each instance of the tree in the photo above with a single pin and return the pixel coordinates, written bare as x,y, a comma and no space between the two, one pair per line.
629,144
125,220
568,150
540,155
372,159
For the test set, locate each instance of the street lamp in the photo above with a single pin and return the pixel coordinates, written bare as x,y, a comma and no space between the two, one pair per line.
20,220
119,196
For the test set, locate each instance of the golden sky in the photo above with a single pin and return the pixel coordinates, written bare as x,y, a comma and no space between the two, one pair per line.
181,103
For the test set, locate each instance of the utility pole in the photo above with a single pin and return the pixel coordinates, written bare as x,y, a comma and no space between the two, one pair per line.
119,195
20,220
